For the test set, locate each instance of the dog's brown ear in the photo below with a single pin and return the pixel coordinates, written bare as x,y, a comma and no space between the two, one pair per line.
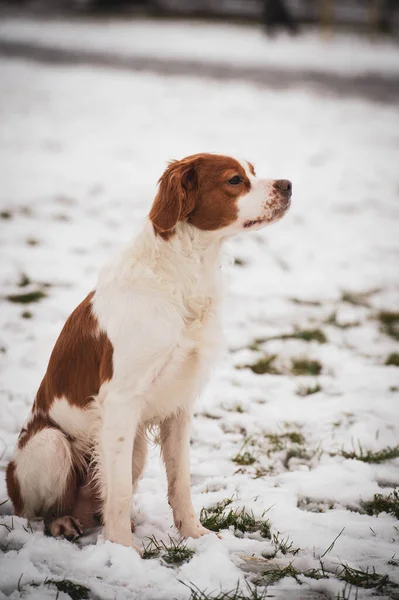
176,197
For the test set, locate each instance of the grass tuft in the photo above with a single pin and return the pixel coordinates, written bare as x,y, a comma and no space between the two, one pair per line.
172,553
304,390
332,320
304,366
295,437
380,503
305,302
306,335
152,549
366,579
177,553
244,459
76,591
263,365
252,593
393,359
27,298
240,262
284,545
24,280
209,415
280,441
390,323
358,298
346,593
369,456
276,574
289,442
295,453
217,518
309,335
265,529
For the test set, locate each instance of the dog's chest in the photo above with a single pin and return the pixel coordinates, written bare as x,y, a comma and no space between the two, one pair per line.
198,304
196,310
161,313
186,368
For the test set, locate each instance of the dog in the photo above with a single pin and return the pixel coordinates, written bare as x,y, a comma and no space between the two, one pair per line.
136,353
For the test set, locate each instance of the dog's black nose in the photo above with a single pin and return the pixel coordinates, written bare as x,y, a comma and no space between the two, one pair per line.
284,185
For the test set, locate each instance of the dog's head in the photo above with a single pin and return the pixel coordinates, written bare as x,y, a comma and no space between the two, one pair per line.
217,193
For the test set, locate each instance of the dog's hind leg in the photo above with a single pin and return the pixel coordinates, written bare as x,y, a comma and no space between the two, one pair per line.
42,481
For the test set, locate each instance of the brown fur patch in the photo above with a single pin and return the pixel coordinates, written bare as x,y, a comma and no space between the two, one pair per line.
252,169
87,504
197,190
80,501
80,362
175,198
106,364
13,488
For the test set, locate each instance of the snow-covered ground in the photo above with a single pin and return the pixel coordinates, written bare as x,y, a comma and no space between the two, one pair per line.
80,153
206,42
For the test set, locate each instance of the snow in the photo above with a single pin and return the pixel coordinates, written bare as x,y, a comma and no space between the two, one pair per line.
206,42
80,153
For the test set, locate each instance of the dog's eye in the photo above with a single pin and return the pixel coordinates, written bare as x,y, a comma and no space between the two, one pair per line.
235,180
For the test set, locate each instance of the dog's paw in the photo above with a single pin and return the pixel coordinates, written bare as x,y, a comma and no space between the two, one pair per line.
122,537
194,530
66,527
138,550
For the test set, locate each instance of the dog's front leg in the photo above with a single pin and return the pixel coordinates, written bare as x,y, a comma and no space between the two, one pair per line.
120,419
175,445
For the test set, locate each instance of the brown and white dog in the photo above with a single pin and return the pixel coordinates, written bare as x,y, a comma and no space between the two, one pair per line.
137,352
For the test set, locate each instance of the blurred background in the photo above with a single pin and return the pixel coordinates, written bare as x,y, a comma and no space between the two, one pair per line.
273,42
374,15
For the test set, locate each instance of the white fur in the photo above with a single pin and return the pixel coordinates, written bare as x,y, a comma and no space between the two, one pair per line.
158,304
43,468
73,420
257,204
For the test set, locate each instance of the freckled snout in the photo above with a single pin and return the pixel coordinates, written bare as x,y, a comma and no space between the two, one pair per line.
266,203
284,187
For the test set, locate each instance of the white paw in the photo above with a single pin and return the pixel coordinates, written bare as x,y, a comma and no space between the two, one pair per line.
122,538
194,530
138,550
